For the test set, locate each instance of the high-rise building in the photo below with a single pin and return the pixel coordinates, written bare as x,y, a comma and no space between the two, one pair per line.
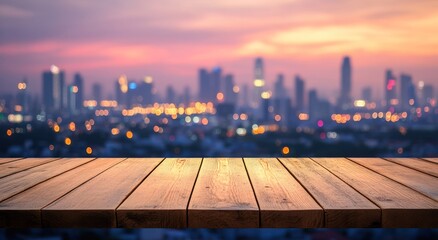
54,90
78,81
428,94
146,91
366,94
259,82
97,92
279,88
313,104
122,90
345,97
187,96
170,95
407,92
204,85
390,89
299,94
230,95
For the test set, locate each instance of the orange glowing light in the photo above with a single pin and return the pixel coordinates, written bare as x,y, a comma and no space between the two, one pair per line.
56,128
72,126
204,121
89,150
220,96
9,132
129,134
115,131
285,150
67,141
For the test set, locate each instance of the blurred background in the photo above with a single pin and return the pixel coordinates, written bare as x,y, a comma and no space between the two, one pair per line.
230,78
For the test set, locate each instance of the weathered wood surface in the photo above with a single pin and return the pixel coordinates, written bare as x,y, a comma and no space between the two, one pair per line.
218,192
401,206
417,164
283,201
223,196
93,204
343,206
162,199
423,183
6,160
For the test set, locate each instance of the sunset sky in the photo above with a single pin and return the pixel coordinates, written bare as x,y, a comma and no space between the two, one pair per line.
171,39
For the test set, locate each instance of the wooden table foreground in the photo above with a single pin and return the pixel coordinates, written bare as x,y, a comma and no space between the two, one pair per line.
219,192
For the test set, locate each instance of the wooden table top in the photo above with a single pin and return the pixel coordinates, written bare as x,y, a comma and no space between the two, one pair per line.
219,192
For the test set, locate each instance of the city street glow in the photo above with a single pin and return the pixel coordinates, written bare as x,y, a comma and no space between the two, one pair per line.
360,103
259,83
89,150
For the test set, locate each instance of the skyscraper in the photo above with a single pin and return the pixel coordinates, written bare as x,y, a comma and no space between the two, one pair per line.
170,95
54,91
230,96
407,92
345,97
259,82
78,81
122,90
390,88
313,104
97,92
204,85
279,88
366,94
299,94
145,91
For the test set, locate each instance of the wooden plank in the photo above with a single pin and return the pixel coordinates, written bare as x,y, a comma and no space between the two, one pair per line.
16,183
434,160
282,200
343,206
417,164
161,199
223,196
6,160
24,209
93,204
21,165
401,206
414,179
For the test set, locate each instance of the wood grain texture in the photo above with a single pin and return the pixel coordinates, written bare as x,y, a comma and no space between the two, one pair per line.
6,160
434,160
162,199
21,165
93,204
343,206
24,209
401,206
21,181
417,164
426,184
282,200
223,196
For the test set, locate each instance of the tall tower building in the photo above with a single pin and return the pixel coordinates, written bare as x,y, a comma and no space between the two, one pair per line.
78,81
204,85
54,90
259,82
299,94
97,92
390,88
230,95
407,92
345,97
313,104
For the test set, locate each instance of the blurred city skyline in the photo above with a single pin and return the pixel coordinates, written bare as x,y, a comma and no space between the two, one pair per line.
171,43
